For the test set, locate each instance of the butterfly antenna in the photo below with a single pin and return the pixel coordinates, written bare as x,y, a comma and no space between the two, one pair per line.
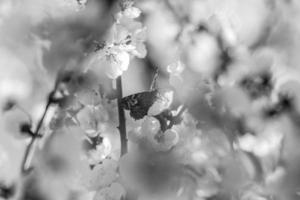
153,83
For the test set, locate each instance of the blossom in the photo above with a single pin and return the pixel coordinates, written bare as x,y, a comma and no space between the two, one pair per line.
262,146
112,60
131,12
165,141
175,69
162,103
130,35
125,39
118,62
102,150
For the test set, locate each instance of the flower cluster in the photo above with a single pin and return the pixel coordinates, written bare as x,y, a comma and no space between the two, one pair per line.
220,120
125,40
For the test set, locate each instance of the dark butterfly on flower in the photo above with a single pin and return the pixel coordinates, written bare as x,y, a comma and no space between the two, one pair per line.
138,104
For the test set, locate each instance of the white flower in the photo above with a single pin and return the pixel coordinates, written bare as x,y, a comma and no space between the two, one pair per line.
138,40
169,139
102,150
132,12
161,103
129,35
126,37
150,126
112,60
129,12
264,145
175,68
117,63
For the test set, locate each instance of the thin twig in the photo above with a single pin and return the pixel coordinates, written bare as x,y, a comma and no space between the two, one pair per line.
122,120
30,149
153,83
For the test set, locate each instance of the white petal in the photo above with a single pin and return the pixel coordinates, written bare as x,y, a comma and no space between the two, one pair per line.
132,12
175,68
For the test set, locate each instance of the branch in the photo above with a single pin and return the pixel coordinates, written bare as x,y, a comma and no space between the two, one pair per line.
30,149
122,120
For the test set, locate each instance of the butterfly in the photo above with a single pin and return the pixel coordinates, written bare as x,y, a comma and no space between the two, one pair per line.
138,104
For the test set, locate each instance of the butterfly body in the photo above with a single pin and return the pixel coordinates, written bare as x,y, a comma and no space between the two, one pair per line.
138,104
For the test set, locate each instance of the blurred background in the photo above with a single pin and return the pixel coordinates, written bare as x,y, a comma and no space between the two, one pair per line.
240,76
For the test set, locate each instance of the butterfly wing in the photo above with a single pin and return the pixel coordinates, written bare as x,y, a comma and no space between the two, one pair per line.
138,104
138,112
